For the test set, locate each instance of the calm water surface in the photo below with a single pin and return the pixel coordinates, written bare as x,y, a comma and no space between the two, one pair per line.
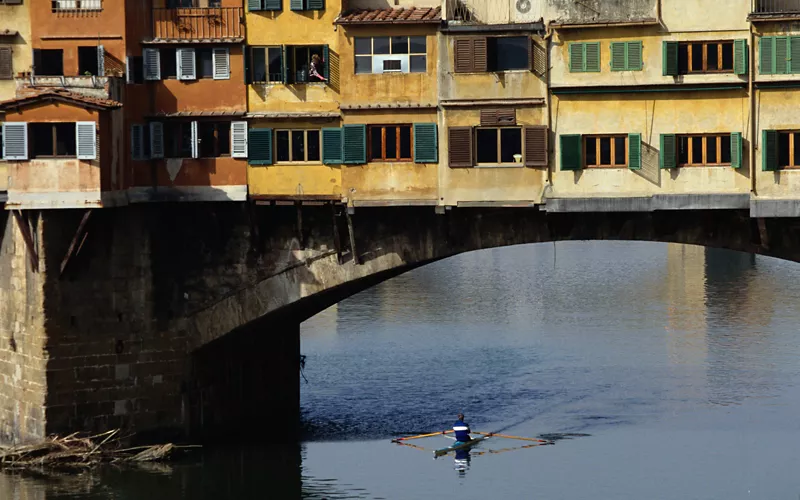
661,371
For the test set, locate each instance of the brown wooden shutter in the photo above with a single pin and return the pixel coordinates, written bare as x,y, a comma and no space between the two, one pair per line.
463,55
479,54
531,52
489,117
6,72
506,116
459,145
536,146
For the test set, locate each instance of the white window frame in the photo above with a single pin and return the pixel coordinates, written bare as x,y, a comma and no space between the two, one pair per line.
378,59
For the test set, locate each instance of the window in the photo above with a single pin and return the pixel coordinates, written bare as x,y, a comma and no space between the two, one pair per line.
48,62
300,58
178,140
267,65
297,146
584,57
256,5
395,54
480,54
390,143
140,142
10,2
88,61
6,66
214,139
52,140
788,147
605,151
77,4
707,149
775,57
501,145
626,56
169,65
289,64
305,4
135,69
173,4
705,57
191,139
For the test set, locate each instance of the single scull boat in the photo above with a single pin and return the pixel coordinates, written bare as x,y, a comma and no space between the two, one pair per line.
459,446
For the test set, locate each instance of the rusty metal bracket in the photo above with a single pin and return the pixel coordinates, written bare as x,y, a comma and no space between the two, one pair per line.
77,241
27,236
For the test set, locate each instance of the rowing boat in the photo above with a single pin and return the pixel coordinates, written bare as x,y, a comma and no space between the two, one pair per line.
459,446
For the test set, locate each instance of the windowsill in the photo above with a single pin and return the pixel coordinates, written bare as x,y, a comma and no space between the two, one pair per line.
501,72
392,73
320,83
409,160
500,165
297,163
190,158
724,165
605,167
40,157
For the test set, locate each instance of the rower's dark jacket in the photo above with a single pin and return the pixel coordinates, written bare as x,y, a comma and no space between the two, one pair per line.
462,431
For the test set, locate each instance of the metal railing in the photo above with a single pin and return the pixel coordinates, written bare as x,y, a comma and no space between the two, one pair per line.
777,7
198,23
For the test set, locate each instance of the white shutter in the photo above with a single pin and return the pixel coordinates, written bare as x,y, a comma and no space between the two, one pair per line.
86,139
222,69
152,64
101,61
137,142
156,140
15,141
128,70
195,152
239,139
186,66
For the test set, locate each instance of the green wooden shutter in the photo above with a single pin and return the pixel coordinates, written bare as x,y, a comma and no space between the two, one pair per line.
618,51
260,146
794,55
669,149
297,4
736,150
592,58
254,5
326,64
316,4
332,146
635,151
571,152
354,138
740,57
576,57
670,58
633,56
769,150
781,55
426,143
273,4
767,55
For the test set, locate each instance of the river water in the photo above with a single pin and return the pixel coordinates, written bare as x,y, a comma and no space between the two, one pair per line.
658,371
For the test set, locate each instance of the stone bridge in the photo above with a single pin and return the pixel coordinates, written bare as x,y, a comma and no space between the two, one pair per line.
185,318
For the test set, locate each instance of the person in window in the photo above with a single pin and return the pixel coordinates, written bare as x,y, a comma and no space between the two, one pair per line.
315,70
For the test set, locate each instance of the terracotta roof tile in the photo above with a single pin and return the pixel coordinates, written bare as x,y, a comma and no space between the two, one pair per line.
60,95
410,15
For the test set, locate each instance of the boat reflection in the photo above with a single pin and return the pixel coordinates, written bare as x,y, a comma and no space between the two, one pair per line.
461,462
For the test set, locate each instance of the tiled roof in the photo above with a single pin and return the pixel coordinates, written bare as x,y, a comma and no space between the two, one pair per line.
179,114
410,15
60,95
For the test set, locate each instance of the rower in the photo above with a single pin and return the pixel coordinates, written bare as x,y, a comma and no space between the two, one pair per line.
462,430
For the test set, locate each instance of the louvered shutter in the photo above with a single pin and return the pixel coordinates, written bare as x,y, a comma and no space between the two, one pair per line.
316,4
459,144
669,149
260,146
86,140
488,117
769,150
326,55
426,141
152,64
781,55
740,57
254,5
670,58
767,55
156,140
101,60
592,56
332,146
635,151
6,58
221,60
479,54
536,154
354,138
618,62
794,55
506,117
15,141
576,57
273,4
736,150
128,69
297,4
194,141
462,55
186,64
571,152
531,54
137,142
239,139
633,56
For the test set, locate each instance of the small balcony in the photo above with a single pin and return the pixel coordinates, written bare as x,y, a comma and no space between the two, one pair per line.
199,24
776,8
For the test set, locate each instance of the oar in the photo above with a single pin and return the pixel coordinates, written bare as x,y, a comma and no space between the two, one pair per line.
422,436
512,437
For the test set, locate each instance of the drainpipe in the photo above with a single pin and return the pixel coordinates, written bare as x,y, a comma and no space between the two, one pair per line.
752,99
548,105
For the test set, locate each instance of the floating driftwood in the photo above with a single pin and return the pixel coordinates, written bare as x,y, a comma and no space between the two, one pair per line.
76,452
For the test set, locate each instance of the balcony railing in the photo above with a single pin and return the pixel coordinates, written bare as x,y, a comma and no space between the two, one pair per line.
777,7
198,23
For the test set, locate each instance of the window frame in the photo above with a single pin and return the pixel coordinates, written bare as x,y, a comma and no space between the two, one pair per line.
292,161
53,139
499,161
490,56
266,49
82,5
690,150
407,54
217,136
294,66
794,163
704,63
598,138
382,128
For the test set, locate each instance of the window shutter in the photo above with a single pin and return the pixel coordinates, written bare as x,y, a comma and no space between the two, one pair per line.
15,141
332,146
740,57
254,5
531,54
479,54
286,65
506,116
669,148
571,152
576,57
635,151
260,146
296,4
593,56
781,55
137,142
459,143
769,150
634,56
86,140
794,55
426,143
6,71
186,64
463,55
536,153
273,4
326,54
736,150
670,58
152,64
238,139
222,70
767,55
354,138
488,117
316,4
156,140
101,60
128,69
618,56
195,148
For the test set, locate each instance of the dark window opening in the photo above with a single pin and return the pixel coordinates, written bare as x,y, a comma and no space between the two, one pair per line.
302,63
52,139
499,145
683,150
48,62
606,151
785,149
697,150
619,151
214,139
725,148
313,148
727,56
591,150
137,69
705,57
510,144
178,140
204,61
390,143
507,53
297,145
700,150
87,61
259,64
169,68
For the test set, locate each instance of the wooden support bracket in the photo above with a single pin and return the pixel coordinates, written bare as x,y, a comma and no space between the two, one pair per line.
300,235
352,233
27,236
337,240
77,242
